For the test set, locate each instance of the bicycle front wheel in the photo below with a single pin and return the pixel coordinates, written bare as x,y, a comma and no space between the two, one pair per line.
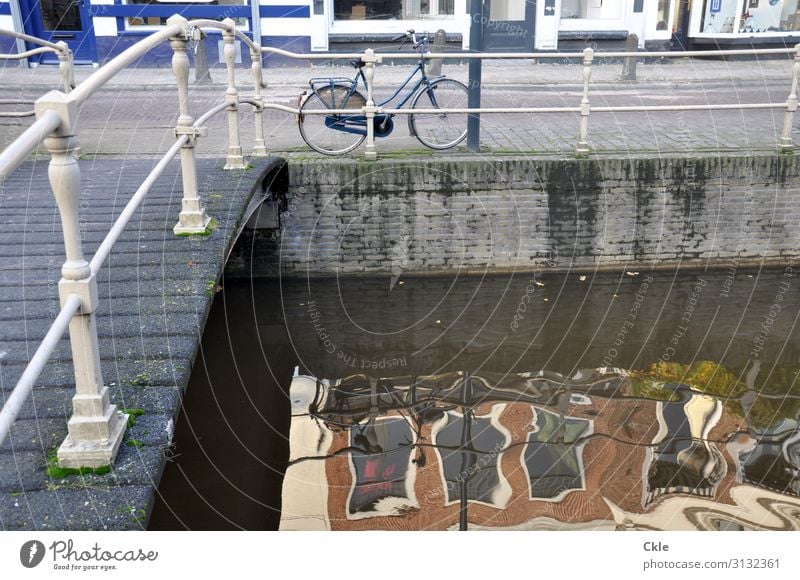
332,134
440,130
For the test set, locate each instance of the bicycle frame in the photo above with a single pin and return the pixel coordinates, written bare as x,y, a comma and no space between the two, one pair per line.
357,124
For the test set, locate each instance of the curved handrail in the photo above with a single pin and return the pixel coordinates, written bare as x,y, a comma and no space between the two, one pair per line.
60,48
22,390
27,53
228,25
116,230
13,155
33,39
210,113
108,71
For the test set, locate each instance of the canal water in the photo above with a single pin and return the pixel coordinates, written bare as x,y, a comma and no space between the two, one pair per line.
632,400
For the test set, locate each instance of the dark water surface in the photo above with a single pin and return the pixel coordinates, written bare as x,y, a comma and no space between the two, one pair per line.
637,400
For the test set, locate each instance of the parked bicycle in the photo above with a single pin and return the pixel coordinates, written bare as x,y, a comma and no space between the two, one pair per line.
339,133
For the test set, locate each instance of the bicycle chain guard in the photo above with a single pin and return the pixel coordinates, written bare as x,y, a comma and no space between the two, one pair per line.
383,126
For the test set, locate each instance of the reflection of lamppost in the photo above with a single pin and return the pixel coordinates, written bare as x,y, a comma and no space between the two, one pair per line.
477,20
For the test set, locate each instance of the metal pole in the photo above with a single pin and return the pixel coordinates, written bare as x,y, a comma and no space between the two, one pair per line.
259,148
583,138
474,85
202,76
785,144
65,67
255,20
235,159
96,428
193,218
466,441
16,19
370,109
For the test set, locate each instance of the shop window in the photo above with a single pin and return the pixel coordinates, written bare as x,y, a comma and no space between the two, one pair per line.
749,16
591,9
719,16
146,19
392,9
769,16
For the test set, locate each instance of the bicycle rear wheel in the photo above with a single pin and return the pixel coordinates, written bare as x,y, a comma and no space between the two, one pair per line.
328,134
440,130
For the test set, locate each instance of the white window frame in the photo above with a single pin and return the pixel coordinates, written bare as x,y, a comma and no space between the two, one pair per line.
451,23
597,24
152,27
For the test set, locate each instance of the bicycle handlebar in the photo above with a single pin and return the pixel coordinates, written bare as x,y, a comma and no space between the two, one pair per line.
411,35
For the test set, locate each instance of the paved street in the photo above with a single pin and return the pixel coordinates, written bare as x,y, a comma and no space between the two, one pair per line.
134,115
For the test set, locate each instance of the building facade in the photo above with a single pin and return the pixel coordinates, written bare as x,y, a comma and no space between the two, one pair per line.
97,30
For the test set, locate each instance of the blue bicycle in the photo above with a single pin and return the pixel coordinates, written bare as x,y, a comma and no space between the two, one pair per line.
337,134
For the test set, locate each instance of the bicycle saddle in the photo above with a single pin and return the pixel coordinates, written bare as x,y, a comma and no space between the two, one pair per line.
357,63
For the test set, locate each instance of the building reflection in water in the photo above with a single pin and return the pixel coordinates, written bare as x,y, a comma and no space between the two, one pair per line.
538,451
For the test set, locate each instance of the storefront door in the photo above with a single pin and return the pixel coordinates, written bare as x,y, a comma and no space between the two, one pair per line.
509,25
57,20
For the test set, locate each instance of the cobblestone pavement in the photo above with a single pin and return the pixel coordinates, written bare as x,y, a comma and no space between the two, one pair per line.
135,114
155,293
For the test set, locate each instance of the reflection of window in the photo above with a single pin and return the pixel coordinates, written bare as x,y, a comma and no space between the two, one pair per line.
685,461
392,9
474,464
591,9
381,468
147,20
553,455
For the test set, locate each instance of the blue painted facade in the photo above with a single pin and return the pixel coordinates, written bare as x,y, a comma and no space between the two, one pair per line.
108,27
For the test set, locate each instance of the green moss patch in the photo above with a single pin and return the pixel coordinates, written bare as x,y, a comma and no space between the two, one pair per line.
132,414
54,471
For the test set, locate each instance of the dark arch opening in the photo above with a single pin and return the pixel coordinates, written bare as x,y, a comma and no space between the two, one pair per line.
231,441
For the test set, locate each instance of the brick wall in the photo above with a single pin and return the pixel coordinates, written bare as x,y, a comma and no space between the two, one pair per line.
350,217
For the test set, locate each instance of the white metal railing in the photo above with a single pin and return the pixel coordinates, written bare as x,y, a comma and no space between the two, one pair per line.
584,108
96,427
65,66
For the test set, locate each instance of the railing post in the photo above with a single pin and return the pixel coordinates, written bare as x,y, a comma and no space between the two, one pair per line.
96,428
235,159
785,143
259,147
370,109
583,139
193,218
65,67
